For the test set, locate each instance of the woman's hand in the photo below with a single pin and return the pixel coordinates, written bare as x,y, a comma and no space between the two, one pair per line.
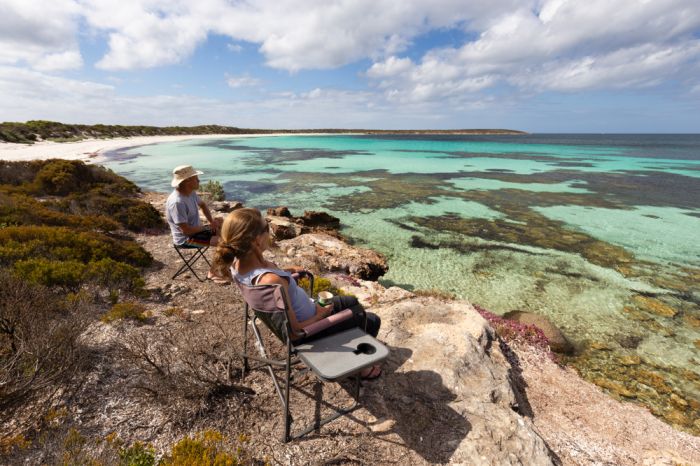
324,311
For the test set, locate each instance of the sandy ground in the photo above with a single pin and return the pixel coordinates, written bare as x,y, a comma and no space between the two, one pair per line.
91,148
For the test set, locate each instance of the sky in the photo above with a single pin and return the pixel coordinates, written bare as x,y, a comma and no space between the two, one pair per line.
600,66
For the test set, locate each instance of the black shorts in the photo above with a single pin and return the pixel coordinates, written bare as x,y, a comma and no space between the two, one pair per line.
203,238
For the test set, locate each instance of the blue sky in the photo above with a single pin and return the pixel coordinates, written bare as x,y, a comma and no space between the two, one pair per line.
534,65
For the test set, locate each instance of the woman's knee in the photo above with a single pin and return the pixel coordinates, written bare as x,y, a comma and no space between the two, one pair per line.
373,324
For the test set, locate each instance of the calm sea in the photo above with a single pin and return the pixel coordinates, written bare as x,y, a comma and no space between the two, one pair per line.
597,232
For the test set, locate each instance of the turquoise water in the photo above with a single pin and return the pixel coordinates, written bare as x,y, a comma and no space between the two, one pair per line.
487,217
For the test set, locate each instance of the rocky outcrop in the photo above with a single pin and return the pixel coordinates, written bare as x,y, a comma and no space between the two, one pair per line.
225,206
448,381
557,340
285,226
313,219
325,253
281,211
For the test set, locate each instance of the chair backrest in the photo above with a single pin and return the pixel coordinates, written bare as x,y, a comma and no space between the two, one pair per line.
269,305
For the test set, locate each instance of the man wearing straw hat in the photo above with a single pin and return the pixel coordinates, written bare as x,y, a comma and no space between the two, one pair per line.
182,213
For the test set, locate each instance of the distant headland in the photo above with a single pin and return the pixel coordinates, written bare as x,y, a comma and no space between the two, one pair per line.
40,130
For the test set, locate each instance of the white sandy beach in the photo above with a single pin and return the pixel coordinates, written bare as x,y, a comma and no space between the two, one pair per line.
92,148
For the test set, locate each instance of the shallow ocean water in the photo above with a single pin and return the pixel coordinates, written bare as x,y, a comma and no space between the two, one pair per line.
580,228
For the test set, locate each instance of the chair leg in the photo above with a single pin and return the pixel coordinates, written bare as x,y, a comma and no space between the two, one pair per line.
246,366
190,261
287,416
339,412
261,350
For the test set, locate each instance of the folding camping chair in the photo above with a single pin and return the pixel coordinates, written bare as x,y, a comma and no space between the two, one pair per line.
331,358
190,258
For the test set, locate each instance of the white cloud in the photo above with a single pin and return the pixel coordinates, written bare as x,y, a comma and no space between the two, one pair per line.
567,46
35,95
525,45
42,35
242,81
235,48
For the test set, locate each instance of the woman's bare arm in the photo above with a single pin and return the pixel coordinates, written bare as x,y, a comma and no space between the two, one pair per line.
297,327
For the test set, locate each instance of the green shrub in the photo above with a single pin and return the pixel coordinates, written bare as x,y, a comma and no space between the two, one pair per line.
215,190
58,243
208,448
137,455
114,275
20,209
321,284
140,216
66,274
121,311
62,177
133,214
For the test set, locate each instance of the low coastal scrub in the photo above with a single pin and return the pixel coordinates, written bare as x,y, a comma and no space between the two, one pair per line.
64,253
124,311
40,350
66,445
71,193
37,130
210,447
215,190
321,284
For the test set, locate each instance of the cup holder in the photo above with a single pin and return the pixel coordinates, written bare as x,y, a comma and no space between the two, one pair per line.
365,348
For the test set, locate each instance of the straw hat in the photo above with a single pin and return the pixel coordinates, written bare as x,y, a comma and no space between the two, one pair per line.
183,172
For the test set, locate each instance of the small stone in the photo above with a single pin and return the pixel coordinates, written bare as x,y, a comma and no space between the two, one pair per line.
693,321
653,380
655,306
600,346
630,360
677,417
678,401
614,387
383,425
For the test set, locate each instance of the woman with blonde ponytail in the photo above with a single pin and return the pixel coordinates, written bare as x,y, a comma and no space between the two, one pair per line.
245,235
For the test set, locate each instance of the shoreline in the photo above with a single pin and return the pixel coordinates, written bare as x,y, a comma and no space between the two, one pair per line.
90,149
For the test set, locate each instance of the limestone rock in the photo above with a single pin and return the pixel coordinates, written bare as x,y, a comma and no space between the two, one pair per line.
314,219
225,207
557,341
283,228
319,251
281,211
461,402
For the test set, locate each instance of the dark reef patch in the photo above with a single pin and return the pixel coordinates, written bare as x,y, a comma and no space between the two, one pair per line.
536,230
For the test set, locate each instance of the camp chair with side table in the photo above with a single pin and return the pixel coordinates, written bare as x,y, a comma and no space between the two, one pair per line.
331,358
190,254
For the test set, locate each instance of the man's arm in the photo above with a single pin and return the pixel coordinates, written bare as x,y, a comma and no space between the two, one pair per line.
207,213
190,230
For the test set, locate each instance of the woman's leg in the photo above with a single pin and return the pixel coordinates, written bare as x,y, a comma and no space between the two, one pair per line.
367,321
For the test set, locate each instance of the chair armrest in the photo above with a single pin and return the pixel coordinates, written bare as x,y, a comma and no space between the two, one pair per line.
329,321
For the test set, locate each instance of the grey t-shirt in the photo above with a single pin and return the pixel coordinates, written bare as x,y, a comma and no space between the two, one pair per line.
181,209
